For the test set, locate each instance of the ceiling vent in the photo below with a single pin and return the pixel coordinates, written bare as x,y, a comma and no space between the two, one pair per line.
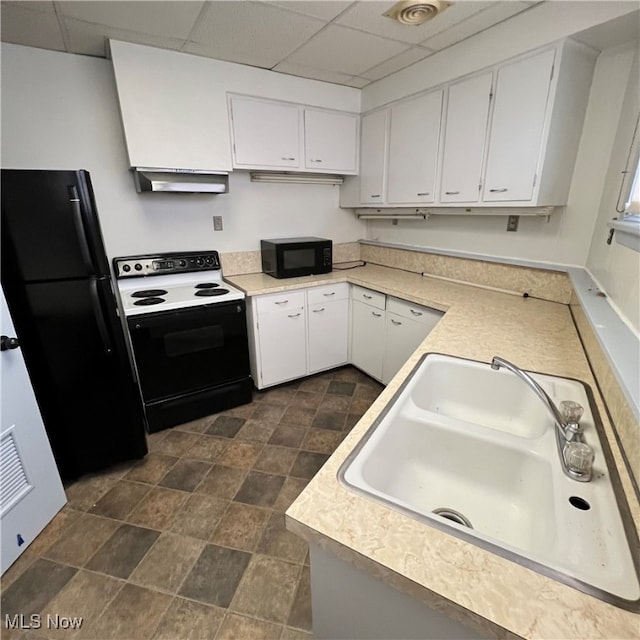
416,12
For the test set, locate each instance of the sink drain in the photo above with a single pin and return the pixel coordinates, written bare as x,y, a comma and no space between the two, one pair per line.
454,516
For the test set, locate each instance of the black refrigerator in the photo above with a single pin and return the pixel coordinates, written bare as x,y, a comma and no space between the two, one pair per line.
56,280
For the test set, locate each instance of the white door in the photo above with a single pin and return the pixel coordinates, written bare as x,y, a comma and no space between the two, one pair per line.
373,157
31,492
402,338
464,136
413,149
330,141
522,91
367,338
328,334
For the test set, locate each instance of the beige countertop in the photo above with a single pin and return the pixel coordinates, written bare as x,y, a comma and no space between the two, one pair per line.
470,584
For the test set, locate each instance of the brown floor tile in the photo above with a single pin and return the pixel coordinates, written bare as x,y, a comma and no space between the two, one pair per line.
291,489
216,575
222,481
186,620
277,541
360,405
369,391
120,555
335,403
168,562
37,585
346,374
241,454
151,469
268,413
341,388
207,448
256,431
242,411
52,532
186,475
329,420
316,384
176,443
241,527
158,508
225,426
84,596
298,416
352,421
307,399
22,563
307,464
86,491
321,440
296,634
267,589
133,613
237,627
300,614
259,488
120,501
199,516
196,426
287,436
81,540
274,459
281,396
154,439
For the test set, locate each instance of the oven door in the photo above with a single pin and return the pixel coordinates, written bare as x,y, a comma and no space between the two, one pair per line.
182,351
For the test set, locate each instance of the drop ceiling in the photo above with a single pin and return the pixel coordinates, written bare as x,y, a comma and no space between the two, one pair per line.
348,43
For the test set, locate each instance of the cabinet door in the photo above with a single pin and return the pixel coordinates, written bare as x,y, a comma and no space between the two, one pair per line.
464,137
522,91
373,157
283,345
265,133
328,334
403,336
367,338
413,149
330,141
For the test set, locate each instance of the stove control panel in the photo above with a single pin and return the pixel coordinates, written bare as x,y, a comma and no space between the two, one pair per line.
155,265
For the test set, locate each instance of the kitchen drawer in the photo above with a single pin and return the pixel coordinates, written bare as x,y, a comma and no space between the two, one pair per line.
372,298
328,292
279,301
424,315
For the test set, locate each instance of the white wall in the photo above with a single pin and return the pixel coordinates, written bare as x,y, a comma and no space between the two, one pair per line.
60,111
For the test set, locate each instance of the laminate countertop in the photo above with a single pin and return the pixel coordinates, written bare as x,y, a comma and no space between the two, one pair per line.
492,594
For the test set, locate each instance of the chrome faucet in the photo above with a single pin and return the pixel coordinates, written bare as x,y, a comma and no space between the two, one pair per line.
576,455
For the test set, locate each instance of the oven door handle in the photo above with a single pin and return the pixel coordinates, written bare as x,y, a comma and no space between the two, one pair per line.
98,314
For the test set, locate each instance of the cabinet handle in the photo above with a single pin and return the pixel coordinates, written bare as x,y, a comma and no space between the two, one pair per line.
415,313
318,310
374,195
366,297
423,193
452,193
396,322
312,160
333,293
377,315
283,158
281,301
498,190
294,315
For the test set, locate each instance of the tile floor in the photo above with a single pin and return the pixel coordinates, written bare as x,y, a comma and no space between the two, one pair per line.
190,542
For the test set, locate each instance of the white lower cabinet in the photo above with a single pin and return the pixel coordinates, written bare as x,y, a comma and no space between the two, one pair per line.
367,338
328,324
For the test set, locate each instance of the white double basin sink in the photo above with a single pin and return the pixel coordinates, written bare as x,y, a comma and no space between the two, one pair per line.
472,451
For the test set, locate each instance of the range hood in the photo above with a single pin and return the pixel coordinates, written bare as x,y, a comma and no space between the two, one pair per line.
180,180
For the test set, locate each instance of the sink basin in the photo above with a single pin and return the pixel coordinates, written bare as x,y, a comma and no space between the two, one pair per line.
467,449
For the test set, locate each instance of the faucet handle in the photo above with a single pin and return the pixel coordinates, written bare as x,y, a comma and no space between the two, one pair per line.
571,411
579,458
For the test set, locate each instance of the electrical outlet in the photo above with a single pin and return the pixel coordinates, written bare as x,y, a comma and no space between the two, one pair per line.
512,223
217,223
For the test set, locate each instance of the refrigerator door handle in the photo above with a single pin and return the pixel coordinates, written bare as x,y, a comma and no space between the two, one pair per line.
74,200
97,310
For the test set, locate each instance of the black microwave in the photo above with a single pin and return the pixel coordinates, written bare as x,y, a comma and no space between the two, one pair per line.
291,257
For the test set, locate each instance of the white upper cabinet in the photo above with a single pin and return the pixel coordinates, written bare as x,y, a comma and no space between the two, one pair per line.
172,114
373,157
265,133
331,141
268,134
464,137
413,149
515,138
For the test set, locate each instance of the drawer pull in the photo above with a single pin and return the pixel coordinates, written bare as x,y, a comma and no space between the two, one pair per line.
312,160
374,195
318,310
416,313
452,193
281,301
284,158
423,193
295,315
377,315
366,297
333,293
396,322
498,190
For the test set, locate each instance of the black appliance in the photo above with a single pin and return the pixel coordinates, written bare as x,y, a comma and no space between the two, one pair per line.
56,280
188,333
292,257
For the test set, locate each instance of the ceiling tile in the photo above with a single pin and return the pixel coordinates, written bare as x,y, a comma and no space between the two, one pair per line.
36,5
367,16
396,63
344,50
324,9
21,25
474,24
314,74
250,32
172,19
91,39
